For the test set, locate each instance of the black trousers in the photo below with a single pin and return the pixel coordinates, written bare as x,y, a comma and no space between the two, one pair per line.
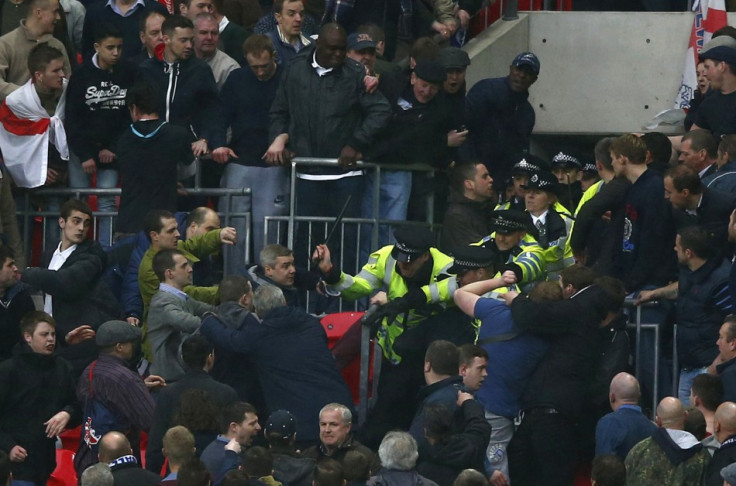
544,450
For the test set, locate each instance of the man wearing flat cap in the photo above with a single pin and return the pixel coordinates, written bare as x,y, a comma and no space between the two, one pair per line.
113,395
414,283
550,228
500,117
717,112
516,248
416,133
456,62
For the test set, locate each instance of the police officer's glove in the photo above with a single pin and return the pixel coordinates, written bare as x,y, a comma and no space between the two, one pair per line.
372,318
514,268
332,276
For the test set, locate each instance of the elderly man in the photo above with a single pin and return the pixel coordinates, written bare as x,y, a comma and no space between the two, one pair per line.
723,365
115,450
335,437
304,378
671,456
206,35
398,453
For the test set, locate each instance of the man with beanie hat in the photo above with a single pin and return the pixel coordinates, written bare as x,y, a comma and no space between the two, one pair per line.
500,117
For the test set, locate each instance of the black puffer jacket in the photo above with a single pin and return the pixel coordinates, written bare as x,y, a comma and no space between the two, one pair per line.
34,388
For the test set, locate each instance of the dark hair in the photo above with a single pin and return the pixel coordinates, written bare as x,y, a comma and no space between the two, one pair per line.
164,260
460,173
198,214
74,205
198,412
144,19
602,152
235,477
695,423
698,240
235,413
5,253
709,388
41,55
614,292
683,177
30,321
154,220
233,287
173,22
659,146
443,357
631,147
425,49
731,328
728,145
106,30
374,30
469,351
278,5
145,97
578,276
328,472
193,473
256,44
702,140
438,422
258,462
608,470
357,466
725,30
194,351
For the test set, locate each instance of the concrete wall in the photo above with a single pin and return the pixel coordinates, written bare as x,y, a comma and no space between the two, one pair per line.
601,72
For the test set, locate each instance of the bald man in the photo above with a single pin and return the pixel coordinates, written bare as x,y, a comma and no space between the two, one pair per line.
724,429
671,456
620,430
115,450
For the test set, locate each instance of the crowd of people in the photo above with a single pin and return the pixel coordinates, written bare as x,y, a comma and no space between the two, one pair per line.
505,352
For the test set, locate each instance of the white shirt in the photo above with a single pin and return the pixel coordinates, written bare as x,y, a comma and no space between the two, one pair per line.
59,258
542,217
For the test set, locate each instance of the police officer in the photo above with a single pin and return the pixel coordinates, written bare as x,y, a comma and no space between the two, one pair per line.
550,228
413,283
527,165
515,248
566,167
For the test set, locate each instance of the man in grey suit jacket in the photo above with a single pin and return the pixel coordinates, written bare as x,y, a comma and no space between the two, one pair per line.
173,315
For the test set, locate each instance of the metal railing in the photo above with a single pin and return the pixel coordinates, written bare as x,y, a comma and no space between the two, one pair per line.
28,214
638,326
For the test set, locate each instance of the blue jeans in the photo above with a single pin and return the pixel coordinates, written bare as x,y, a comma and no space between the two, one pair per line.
502,430
393,203
106,179
269,197
686,382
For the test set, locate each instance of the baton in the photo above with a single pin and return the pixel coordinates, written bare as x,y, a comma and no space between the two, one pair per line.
339,218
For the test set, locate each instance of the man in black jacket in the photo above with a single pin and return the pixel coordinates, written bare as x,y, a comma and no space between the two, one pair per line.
555,398
71,280
186,85
724,430
115,450
15,302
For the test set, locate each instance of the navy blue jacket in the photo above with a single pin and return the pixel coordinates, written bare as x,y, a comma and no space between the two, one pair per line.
443,393
244,103
295,367
619,431
704,300
98,13
500,123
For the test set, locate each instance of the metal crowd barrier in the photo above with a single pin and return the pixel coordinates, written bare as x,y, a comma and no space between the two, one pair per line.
318,227
638,326
27,214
